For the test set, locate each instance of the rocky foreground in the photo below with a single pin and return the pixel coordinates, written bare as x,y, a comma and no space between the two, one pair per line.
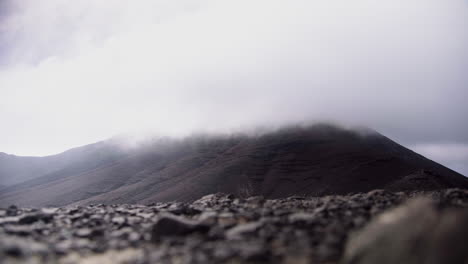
375,227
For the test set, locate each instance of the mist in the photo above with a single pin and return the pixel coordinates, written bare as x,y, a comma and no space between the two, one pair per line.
80,72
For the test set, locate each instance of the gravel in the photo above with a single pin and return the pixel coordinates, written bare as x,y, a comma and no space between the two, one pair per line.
221,228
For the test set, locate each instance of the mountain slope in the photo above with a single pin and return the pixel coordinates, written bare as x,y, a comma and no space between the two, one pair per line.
16,169
314,160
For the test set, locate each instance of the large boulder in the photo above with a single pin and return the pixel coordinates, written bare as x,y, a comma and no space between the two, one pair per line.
418,232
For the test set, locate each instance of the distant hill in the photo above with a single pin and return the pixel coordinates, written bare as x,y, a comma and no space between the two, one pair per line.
16,169
314,160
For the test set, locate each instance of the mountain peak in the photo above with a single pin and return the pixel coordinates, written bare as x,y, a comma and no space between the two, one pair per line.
315,160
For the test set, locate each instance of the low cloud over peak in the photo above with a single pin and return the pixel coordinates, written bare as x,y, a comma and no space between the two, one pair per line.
74,73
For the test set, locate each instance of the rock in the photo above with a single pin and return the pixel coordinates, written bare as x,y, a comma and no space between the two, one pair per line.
241,230
118,220
170,225
15,247
49,210
255,252
302,218
182,209
9,220
19,230
83,232
208,218
31,218
415,233
214,199
89,233
220,228
12,210
227,220
257,200
457,197
62,247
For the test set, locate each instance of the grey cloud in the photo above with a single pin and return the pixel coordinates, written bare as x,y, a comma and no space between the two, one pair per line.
81,72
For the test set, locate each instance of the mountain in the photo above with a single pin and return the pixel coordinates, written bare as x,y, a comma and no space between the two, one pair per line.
314,160
16,169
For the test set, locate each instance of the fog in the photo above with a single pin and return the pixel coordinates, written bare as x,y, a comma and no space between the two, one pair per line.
72,73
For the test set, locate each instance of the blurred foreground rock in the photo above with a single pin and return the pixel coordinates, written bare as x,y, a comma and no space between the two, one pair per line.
419,232
221,228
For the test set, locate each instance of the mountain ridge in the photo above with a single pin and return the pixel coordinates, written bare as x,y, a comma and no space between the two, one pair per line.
313,160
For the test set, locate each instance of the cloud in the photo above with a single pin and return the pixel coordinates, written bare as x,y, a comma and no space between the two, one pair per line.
74,73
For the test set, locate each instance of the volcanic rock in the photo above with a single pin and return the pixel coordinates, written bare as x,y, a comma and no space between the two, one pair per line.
169,225
416,233
228,229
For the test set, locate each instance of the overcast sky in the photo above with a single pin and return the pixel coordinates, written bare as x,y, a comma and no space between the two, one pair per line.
75,72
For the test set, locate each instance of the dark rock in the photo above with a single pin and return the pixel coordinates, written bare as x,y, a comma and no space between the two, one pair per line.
170,225
223,229
12,210
182,209
14,251
31,218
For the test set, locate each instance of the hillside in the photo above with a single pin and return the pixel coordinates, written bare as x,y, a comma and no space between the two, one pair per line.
315,160
17,169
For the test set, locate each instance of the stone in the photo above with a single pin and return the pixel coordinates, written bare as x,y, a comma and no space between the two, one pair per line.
241,230
415,233
89,232
31,218
170,225
222,229
302,218
12,210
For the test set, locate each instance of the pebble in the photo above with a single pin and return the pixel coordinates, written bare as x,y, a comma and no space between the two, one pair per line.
220,228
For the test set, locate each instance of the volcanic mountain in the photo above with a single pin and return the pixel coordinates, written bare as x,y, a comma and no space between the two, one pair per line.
313,160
